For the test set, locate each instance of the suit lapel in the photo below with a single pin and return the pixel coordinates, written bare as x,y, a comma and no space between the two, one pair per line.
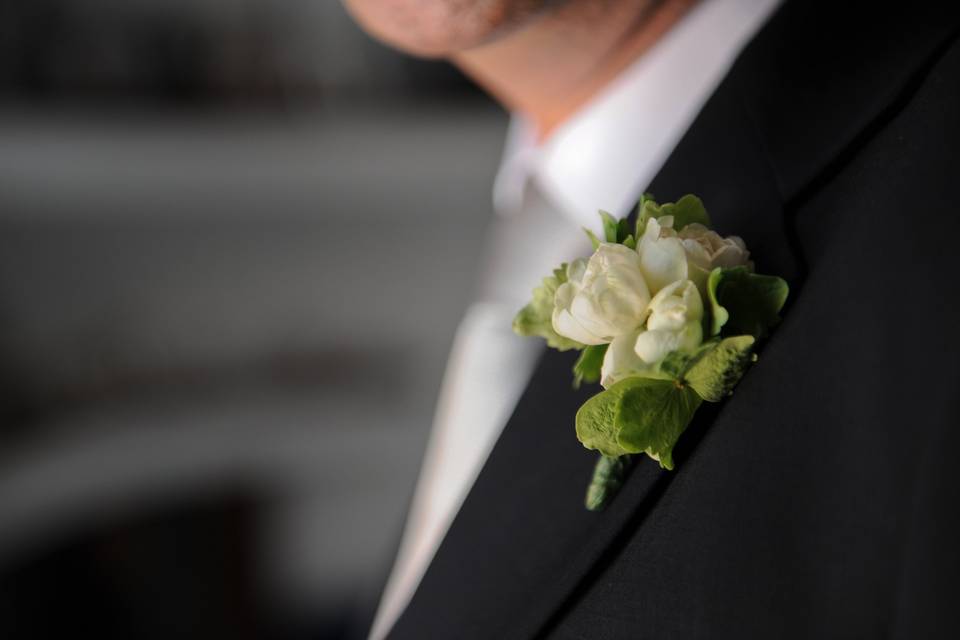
523,540
522,544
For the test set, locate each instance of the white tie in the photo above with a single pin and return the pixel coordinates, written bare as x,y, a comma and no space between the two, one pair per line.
488,368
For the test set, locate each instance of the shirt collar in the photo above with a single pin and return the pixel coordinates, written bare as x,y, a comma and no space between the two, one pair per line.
609,151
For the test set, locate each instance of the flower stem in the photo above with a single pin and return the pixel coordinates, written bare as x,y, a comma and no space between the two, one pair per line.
608,477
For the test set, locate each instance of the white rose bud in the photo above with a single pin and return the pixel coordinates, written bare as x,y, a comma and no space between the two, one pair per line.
662,256
675,323
603,298
707,250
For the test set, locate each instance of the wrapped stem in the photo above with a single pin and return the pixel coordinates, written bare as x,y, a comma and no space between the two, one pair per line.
608,476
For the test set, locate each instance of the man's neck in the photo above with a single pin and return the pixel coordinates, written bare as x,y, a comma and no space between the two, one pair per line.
551,67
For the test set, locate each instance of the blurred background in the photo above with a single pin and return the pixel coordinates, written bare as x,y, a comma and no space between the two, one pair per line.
235,242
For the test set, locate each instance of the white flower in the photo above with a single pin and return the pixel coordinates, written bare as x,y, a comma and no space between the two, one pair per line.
675,323
603,298
707,250
621,361
607,299
667,256
662,257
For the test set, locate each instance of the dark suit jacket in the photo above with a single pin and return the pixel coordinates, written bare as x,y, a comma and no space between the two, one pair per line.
822,499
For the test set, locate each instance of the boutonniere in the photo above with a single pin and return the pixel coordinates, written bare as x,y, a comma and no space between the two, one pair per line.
666,314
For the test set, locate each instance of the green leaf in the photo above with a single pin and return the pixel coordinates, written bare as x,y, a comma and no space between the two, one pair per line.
646,209
587,367
651,416
536,319
623,230
686,210
596,421
594,240
742,302
676,364
718,314
614,231
608,477
610,225
715,374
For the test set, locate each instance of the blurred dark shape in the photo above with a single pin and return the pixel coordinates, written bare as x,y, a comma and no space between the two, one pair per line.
187,572
196,54
235,241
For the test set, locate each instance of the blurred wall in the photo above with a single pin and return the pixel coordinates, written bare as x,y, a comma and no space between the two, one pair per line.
235,241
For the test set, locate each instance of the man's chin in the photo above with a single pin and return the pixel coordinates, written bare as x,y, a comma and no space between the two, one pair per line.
437,28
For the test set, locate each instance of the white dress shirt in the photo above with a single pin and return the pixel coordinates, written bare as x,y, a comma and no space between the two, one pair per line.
604,157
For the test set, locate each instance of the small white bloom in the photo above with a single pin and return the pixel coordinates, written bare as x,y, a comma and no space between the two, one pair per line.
662,256
675,323
603,298
707,250
621,361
